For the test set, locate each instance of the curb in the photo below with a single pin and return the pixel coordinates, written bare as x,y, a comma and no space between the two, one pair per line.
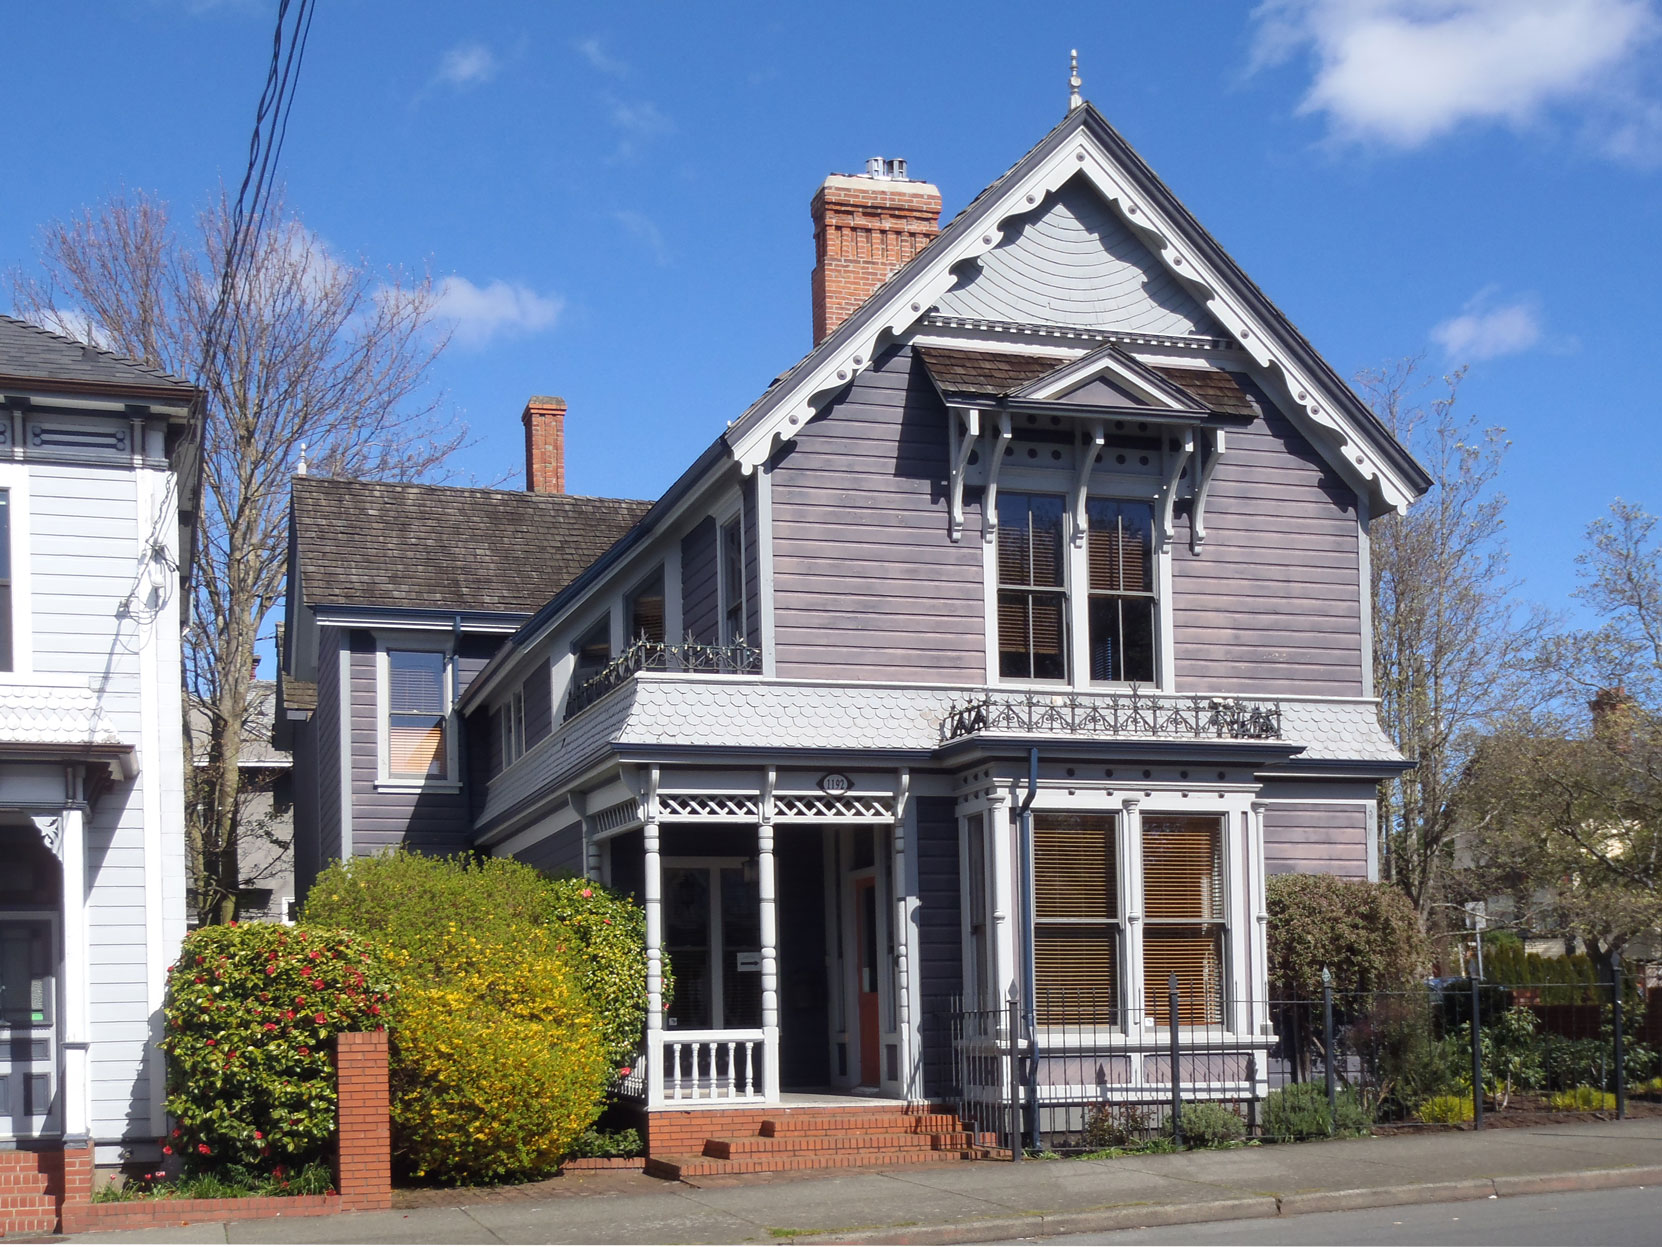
1140,1216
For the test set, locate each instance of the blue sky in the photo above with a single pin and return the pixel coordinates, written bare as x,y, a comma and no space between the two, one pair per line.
617,195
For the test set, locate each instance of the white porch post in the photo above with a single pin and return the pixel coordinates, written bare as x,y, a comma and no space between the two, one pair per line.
1258,986
903,936
653,886
766,885
77,1074
1004,902
1131,898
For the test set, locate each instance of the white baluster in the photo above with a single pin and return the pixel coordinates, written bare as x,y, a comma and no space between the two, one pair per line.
749,1069
675,1092
732,1070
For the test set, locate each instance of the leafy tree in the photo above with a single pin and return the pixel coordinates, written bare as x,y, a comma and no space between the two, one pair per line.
315,353
1364,933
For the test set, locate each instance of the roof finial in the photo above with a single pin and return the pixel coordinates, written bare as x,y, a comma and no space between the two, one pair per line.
1074,82
300,468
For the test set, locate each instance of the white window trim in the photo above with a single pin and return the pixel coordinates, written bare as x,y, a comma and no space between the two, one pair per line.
425,642
512,726
14,478
733,515
1062,482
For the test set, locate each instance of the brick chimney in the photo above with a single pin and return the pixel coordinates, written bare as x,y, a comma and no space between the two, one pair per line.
545,445
865,227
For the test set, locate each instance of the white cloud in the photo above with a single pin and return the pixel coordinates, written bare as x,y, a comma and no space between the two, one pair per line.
645,229
596,55
637,122
1487,328
480,314
1404,72
467,65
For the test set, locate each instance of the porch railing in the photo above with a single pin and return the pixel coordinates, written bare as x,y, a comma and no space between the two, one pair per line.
707,1066
1114,715
739,658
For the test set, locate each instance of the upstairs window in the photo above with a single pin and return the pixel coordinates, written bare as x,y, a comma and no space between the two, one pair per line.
418,715
1183,918
591,652
1032,588
513,727
6,580
1076,918
730,551
643,618
1122,608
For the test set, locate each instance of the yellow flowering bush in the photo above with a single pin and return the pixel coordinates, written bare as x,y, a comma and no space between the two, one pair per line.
499,1062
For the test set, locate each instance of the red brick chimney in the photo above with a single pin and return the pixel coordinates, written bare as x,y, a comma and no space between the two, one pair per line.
545,445
865,227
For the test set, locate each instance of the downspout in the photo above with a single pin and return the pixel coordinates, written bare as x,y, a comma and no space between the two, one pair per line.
1029,955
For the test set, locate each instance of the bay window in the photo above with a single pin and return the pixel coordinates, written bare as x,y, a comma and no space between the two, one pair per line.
1032,588
1183,918
1076,918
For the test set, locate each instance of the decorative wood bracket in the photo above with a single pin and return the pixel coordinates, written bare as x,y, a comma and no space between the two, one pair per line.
1168,502
50,827
963,446
1094,438
1197,516
989,502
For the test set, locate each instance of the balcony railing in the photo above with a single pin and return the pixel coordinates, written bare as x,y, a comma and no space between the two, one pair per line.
1113,715
739,658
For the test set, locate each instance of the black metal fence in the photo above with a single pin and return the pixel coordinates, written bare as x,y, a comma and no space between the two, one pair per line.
1087,1074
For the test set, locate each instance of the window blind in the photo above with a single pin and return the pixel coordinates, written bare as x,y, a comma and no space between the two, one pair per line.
1183,908
1075,918
415,682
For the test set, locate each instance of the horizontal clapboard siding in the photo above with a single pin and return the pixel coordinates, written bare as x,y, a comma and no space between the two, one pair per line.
1272,603
428,822
558,854
939,947
866,583
1316,839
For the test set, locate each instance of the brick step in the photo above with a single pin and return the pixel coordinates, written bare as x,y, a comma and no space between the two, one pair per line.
676,1168
798,1145
876,1123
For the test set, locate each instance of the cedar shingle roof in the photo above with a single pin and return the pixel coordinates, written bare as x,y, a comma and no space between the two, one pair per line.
29,351
984,372
442,547
1217,391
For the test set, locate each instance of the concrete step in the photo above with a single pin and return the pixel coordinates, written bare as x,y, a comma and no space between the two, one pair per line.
676,1168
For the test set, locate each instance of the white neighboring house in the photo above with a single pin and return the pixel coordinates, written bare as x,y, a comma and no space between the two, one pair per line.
98,490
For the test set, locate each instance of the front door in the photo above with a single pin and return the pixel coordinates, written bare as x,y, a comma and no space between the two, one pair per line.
28,1062
870,1015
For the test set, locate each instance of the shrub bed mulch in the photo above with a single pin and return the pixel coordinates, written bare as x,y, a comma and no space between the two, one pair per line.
571,1181
1522,1113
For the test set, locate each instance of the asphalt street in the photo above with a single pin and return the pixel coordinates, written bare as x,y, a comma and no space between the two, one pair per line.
1618,1218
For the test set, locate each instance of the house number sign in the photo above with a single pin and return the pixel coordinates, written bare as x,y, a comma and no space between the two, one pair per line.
834,784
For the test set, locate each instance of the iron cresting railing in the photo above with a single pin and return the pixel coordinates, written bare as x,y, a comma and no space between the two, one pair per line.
739,658
1114,714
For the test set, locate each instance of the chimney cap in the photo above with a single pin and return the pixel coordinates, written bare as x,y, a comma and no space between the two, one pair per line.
545,402
887,168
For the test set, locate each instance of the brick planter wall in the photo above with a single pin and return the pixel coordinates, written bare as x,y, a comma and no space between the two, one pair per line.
46,1191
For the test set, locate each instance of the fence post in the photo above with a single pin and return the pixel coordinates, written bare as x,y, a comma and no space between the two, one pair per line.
1015,1078
1477,1057
1176,1077
1620,1045
1327,1052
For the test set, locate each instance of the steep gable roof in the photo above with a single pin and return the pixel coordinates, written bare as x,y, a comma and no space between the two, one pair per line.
443,547
1316,398
30,353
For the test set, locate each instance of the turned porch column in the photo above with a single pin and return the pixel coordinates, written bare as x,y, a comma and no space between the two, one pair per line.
653,887
768,890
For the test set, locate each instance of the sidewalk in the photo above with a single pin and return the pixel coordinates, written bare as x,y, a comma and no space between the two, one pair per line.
998,1201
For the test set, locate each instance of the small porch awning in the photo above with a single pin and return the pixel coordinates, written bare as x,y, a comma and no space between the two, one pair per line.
58,723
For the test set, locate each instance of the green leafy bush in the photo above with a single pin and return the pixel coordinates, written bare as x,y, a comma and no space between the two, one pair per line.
1113,1127
1513,1054
227,1182
1574,1062
1447,1110
1582,1099
1299,1111
1210,1124
1405,1059
499,1066
606,1143
409,901
1367,934
250,1012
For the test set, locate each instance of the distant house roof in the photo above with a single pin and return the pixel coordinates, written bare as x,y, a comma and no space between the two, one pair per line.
28,352
443,547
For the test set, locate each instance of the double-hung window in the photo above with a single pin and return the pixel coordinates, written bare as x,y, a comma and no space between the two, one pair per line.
513,727
1183,918
643,618
1076,918
418,715
731,556
1120,546
1032,588
591,652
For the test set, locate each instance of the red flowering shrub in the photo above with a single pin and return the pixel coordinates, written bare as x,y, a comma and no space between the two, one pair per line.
250,1012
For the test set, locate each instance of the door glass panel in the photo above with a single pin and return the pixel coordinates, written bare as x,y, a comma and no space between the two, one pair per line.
687,942
25,973
741,943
